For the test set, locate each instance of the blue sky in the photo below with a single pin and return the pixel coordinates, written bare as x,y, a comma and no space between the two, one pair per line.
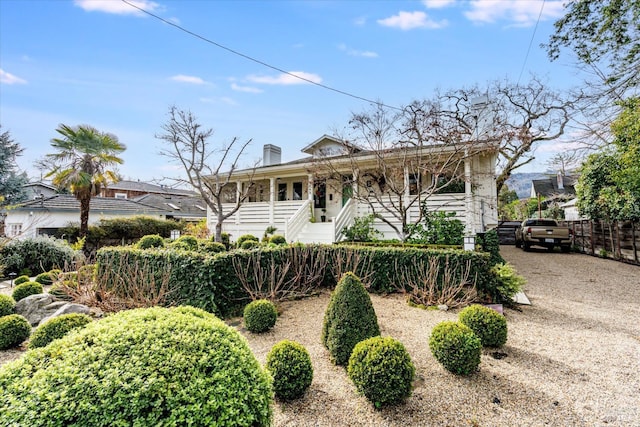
103,63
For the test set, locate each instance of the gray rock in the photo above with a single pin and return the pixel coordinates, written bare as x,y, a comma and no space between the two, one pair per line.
443,307
40,307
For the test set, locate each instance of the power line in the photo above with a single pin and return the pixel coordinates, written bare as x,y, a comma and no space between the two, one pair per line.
530,42
250,58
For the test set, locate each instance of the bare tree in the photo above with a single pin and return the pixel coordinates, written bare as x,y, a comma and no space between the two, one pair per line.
564,162
208,168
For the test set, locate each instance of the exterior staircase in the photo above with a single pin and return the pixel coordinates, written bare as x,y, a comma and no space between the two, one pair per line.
317,232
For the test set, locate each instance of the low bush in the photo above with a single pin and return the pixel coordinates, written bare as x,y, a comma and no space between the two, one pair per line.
38,254
150,241
508,282
14,329
489,325
212,247
57,327
289,364
185,243
23,290
21,279
194,311
278,239
244,238
152,366
249,244
260,316
456,347
381,369
60,289
7,305
86,273
45,279
349,319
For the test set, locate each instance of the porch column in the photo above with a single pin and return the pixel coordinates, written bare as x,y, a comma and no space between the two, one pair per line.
407,192
272,199
238,195
355,184
310,191
470,231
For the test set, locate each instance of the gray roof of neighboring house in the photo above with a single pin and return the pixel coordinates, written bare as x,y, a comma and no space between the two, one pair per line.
176,206
67,202
549,186
40,184
148,188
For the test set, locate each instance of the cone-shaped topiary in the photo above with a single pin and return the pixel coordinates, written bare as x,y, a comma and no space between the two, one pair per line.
260,316
14,329
489,325
349,319
456,347
21,279
289,364
150,241
7,305
57,327
25,289
382,370
144,367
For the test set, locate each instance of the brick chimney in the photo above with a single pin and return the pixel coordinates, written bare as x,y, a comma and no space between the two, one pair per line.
271,155
560,181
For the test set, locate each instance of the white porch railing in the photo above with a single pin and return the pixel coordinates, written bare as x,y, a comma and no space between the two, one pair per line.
298,220
344,219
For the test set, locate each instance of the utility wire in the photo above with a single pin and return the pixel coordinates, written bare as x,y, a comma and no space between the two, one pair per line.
235,52
530,42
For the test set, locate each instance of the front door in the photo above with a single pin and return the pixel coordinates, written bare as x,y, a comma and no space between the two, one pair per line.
347,189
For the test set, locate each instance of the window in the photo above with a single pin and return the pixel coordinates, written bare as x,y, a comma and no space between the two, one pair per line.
297,191
120,195
282,192
14,229
447,184
414,184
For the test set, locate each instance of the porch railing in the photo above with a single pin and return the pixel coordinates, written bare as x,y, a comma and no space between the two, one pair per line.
344,219
294,225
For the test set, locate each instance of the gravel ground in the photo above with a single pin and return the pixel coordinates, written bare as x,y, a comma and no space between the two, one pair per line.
572,358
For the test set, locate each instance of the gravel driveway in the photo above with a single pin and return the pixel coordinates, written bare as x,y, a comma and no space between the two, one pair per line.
571,359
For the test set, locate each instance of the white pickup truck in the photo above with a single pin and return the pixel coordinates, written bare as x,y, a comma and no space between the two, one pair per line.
543,232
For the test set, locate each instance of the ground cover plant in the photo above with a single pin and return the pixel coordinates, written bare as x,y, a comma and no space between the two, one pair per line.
144,367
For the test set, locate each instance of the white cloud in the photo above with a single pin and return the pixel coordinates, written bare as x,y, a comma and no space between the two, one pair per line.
519,13
437,4
287,79
117,7
10,79
363,53
188,79
410,20
247,89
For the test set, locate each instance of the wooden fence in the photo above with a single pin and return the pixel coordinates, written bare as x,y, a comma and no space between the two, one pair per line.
618,239
507,232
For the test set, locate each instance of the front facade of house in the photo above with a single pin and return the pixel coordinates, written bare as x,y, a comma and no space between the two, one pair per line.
308,203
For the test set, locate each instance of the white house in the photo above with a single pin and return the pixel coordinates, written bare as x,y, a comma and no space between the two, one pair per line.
339,182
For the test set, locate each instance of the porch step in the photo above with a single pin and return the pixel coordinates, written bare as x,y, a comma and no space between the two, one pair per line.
318,232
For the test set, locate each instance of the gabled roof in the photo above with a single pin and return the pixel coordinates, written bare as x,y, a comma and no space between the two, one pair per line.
40,184
127,185
548,187
176,206
310,149
67,202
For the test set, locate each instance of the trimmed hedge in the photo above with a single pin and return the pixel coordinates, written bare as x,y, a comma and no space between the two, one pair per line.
289,364
57,327
7,305
23,290
14,329
209,281
144,367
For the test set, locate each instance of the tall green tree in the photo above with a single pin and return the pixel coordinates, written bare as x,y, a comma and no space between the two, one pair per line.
82,164
11,179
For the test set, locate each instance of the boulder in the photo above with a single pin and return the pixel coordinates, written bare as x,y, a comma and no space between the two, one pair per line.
40,307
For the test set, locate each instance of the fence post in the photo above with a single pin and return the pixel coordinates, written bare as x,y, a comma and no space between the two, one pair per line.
633,241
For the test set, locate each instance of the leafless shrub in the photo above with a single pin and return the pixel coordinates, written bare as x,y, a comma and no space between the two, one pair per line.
424,285
356,261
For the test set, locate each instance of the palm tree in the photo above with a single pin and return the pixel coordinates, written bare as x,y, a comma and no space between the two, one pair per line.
81,164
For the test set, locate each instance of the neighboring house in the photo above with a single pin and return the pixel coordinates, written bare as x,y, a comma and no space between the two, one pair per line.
560,187
46,215
294,197
39,189
131,189
571,210
185,208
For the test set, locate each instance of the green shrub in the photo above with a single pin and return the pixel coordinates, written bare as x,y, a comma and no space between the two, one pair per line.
150,241
144,367
45,279
225,238
60,289
278,239
456,347
437,228
194,311
38,254
57,327
26,272
489,325
14,329
86,273
362,230
381,369
489,242
23,290
21,279
508,282
244,238
7,305
289,364
249,244
260,316
213,247
349,319
55,274
185,243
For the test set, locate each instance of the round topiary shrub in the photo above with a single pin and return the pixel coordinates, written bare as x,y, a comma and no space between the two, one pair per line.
150,241
213,247
249,244
14,329
489,325
144,367
185,243
381,369
21,279
260,316
44,279
289,364
244,238
23,290
7,305
349,319
57,327
278,239
456,347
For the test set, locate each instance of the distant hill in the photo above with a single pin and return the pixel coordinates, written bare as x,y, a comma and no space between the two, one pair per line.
521,182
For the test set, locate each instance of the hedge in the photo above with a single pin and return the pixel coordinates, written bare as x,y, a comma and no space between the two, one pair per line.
209,281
